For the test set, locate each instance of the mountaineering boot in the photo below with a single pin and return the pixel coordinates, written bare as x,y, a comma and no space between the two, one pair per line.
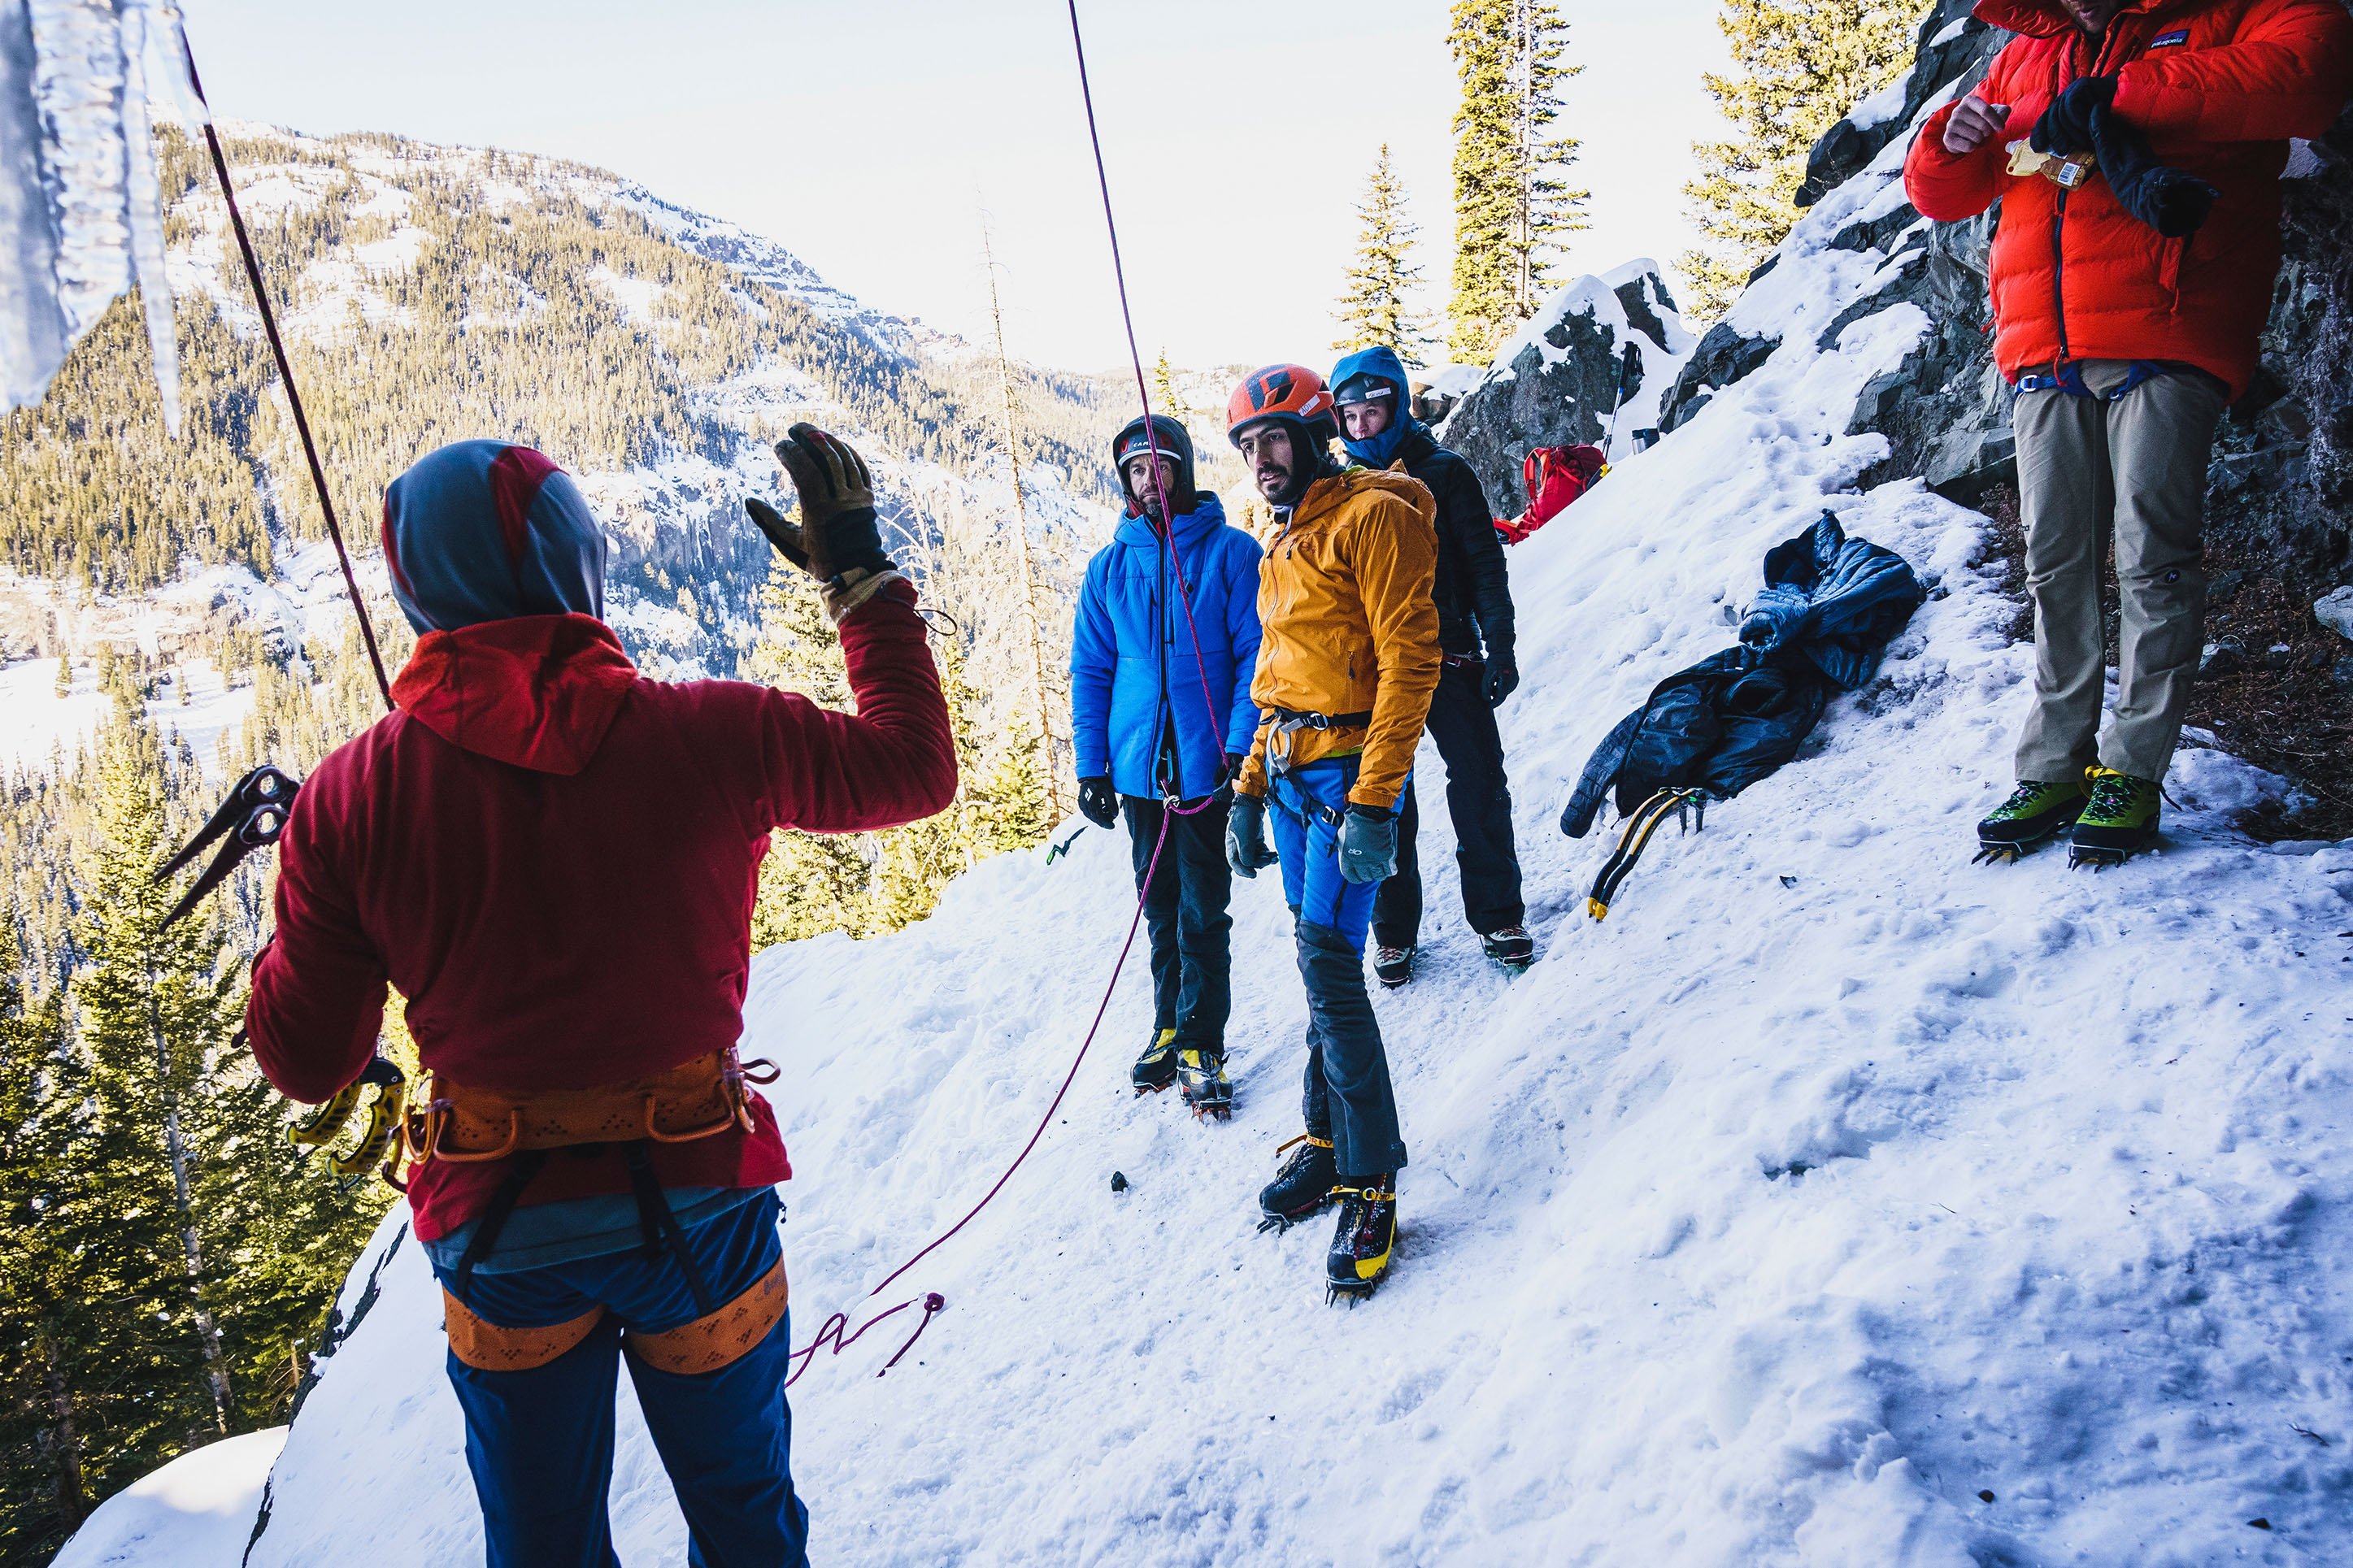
1201,1080
2120,823
1155,1069
1512,947
1302,1186
1393,966
1363,1240
2033,813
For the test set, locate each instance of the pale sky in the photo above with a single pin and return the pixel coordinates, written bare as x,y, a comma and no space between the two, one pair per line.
867,136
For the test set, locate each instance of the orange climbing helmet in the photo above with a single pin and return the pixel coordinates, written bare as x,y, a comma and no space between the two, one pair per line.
1288,391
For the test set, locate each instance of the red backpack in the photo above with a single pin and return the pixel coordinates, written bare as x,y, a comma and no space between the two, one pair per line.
1555,476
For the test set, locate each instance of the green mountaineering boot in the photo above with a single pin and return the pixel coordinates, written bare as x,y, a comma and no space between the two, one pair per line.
2033,813
1201,1080
2120,821
1155,1069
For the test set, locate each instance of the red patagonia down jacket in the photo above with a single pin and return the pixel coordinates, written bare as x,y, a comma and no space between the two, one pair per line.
2218,87
554,859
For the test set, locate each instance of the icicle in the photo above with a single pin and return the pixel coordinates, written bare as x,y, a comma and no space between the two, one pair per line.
33,336
80,215
143,211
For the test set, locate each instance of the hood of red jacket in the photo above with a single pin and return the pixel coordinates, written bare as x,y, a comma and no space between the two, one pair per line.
538,691
2050,19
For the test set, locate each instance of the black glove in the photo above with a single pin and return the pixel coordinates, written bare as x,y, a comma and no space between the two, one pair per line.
1246,849
2167,200
1503,675
1098,801
838,532
1368,845
2065,127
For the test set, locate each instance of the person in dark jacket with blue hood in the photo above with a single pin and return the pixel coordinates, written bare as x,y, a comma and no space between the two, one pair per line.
1162,651
1474,628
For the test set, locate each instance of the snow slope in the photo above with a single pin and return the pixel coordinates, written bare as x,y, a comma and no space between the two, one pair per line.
1833,1203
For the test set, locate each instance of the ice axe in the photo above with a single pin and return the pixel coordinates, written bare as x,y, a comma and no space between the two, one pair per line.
251,818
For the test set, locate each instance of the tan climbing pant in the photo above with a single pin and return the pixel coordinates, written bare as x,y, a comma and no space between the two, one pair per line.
2140,461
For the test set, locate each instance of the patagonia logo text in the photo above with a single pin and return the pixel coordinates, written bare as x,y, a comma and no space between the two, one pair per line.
2167,40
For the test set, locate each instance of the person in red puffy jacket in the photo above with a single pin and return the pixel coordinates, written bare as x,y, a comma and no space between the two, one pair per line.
2135,147
552,859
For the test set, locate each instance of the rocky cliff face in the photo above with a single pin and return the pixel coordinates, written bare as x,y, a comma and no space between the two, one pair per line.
1568,378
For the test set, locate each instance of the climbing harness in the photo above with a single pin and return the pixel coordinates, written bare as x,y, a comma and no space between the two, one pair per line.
1679,804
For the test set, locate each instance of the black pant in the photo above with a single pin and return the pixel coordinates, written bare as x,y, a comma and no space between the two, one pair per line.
1347,1070
1184,914
1480,800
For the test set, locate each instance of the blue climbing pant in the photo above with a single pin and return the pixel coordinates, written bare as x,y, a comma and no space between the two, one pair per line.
540,1443
1348,1097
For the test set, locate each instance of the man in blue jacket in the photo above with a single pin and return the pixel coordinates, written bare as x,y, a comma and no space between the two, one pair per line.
1162,652
1474,628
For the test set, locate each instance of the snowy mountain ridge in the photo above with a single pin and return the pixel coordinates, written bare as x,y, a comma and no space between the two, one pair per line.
686,569
1832,1203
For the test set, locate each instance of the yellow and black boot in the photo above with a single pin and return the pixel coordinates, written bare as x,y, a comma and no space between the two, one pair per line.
2033,813
1201,1080
1155,1069
1365,1239
2120,821
1302,1186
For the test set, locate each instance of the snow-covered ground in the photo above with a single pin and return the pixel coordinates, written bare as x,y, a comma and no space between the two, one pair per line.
1834,1203
38,726
198,1509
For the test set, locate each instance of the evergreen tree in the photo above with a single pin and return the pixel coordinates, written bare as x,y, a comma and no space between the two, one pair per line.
1375,309
155,1005
1512,201
50,1336
1797,66
1164,390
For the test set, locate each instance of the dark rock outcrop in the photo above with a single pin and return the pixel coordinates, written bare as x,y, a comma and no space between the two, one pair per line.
1566,396
1723,357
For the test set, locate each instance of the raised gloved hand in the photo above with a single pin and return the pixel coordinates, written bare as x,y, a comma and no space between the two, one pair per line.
1246,849
2065,127
1503,675
1098,801
1368,845
838,532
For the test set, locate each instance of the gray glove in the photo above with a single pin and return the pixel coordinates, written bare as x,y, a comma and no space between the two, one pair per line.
1368,845
1246,849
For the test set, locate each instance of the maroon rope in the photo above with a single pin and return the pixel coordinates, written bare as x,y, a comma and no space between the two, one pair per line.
835,1331
286,374
1136,357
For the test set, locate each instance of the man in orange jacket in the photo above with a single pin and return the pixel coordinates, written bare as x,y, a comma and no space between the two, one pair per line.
2135,147
1348,658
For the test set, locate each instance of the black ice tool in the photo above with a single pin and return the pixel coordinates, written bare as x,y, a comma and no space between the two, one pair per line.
252,818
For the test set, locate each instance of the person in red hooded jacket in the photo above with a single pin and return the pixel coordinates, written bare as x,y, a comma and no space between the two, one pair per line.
2135,147
554,860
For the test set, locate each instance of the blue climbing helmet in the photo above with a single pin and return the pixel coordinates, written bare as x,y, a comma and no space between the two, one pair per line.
1370,374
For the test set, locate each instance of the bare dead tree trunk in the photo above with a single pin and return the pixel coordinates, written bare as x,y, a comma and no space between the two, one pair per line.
1021,540
182,1193
71,1502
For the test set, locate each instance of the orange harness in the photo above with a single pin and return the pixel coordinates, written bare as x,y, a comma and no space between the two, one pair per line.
467,1126
699,1099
